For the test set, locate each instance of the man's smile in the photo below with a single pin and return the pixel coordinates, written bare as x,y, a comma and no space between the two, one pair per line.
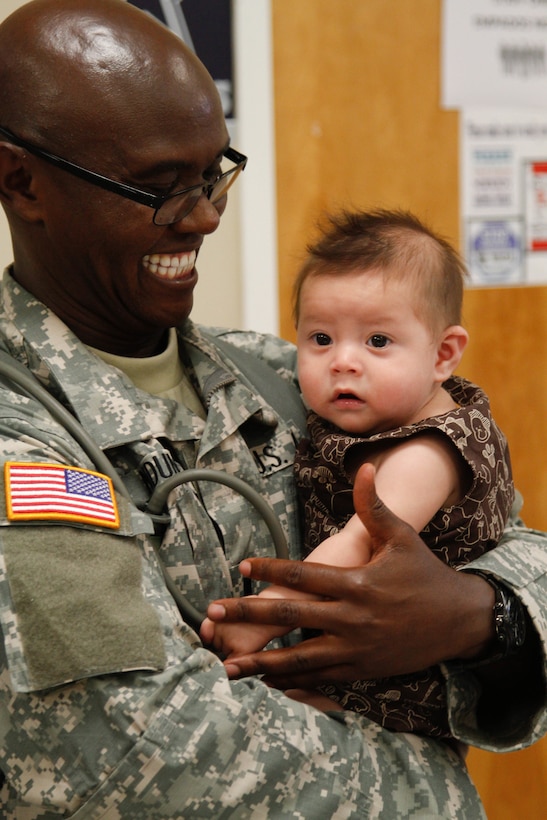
170,266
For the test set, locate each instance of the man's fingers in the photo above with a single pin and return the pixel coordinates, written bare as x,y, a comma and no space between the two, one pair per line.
370,509
385,528
300,666
286,612
317,579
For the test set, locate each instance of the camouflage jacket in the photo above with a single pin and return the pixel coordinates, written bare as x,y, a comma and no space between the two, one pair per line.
109,705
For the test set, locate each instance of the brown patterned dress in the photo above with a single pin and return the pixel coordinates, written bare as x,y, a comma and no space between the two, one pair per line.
458,534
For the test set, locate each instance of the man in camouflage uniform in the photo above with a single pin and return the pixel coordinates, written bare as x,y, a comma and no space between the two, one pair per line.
110,707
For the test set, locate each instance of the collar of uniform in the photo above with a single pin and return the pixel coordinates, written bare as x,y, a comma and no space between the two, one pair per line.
230,401
155,374
215,371
103,399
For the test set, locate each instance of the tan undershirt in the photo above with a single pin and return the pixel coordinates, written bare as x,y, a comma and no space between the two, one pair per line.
162,375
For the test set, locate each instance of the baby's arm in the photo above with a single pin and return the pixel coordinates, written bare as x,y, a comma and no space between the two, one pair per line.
348,548
420,476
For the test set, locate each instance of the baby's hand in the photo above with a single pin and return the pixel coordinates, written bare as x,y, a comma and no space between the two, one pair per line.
235,638
207,631
225,638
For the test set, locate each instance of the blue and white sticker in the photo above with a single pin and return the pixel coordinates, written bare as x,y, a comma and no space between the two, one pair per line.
495,251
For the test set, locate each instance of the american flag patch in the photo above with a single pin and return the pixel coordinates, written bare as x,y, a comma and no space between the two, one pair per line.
58,493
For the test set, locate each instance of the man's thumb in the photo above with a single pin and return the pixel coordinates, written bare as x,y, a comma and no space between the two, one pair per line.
380,522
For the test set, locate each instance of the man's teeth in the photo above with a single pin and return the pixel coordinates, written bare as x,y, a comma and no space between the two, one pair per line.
170,266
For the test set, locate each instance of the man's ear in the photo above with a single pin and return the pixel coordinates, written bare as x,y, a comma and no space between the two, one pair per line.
450,351
17,183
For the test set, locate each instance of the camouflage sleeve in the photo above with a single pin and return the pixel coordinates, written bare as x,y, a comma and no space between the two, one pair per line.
187,743
520,562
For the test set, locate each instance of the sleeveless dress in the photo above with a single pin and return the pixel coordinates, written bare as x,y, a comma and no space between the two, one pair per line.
458,534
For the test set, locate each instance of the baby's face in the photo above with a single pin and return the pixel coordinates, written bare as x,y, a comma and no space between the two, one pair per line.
366,362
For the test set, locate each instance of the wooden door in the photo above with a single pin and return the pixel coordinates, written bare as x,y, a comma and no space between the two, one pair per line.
358,123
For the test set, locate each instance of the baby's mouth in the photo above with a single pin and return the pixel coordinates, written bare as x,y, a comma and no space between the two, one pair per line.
170,266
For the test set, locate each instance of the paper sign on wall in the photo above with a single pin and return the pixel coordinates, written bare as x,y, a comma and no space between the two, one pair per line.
504,195
494,53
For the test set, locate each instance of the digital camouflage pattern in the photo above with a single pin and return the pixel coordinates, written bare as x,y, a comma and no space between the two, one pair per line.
109,706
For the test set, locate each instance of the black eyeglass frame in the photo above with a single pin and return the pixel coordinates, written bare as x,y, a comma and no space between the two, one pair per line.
155,201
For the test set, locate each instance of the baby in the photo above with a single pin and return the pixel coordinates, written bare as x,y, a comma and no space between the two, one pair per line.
378,310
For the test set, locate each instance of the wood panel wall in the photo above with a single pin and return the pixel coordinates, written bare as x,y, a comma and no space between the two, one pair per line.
359,123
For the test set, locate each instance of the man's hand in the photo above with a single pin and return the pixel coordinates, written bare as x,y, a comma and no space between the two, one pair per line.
403,611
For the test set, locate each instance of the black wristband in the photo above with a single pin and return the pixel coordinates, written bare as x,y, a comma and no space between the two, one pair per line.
509,618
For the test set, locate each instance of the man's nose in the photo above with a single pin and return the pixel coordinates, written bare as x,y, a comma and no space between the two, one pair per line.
204,218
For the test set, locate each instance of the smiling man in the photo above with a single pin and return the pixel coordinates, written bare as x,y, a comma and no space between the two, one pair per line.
173,139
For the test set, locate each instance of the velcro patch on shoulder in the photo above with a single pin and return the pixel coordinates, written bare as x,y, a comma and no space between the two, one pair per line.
57,492
72,606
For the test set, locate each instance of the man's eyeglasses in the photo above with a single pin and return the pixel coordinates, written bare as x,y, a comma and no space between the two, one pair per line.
168,208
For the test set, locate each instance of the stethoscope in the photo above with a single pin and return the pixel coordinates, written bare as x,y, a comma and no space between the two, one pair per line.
19,374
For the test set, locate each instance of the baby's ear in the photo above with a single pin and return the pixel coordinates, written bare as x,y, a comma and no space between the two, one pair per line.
450,351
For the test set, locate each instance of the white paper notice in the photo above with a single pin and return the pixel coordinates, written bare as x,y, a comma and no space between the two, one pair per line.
494,53
504,195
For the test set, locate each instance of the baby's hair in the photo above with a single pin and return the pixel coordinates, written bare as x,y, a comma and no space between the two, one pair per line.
398,246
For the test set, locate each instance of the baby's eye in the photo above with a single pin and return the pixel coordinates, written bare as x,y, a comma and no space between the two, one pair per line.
321,339
378,340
